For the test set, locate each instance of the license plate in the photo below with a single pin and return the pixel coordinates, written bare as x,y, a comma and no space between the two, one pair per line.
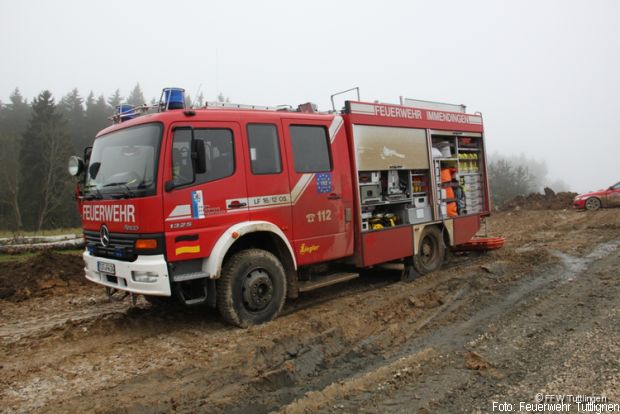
107,268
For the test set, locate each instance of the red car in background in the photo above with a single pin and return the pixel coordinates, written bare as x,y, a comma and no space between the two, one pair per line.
597,199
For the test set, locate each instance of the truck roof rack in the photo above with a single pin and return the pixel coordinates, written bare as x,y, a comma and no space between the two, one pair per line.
230,105
438,106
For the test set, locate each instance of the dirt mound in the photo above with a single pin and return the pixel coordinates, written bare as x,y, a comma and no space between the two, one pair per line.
45,273
550,200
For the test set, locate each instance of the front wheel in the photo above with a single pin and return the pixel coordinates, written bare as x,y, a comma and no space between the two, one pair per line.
431,252
593,203
252,288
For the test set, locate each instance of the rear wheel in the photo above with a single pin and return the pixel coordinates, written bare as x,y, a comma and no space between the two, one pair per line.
593,203
431,252
252,288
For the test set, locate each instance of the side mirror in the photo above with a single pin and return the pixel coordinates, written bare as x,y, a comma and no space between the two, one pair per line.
75,166
199,156
87,152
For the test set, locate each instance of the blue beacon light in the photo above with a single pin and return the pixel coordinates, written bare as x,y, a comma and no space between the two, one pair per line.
172,98
125,112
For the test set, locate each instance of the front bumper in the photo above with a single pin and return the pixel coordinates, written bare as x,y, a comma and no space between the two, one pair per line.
123,278
580,204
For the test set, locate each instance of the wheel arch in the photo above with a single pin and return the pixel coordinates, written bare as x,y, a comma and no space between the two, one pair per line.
252,234
445,227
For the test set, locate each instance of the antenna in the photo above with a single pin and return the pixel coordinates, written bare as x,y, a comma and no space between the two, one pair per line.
340,93
196,96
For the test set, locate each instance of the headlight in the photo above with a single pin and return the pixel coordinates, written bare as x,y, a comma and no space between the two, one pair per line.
75,166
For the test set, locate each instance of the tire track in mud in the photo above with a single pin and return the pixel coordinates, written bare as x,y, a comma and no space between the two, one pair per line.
453,343
303,349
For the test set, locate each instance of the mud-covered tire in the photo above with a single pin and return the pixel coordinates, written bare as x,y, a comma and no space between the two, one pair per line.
432,251
251,289
592,204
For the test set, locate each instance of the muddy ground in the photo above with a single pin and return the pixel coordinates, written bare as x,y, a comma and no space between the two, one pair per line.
541,315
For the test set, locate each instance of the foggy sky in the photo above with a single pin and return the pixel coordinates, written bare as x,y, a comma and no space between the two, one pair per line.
544,74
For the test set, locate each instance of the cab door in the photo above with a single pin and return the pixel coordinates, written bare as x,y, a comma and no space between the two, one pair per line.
267,175
197,214
321,191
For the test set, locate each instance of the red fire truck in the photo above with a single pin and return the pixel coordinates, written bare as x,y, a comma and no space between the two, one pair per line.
242,207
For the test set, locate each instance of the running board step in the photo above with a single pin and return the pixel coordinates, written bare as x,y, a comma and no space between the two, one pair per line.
189,276
328,280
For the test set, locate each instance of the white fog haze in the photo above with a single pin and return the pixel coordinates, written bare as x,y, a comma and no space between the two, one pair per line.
544,74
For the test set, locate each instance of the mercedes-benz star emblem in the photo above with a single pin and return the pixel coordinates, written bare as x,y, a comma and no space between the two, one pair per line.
104,235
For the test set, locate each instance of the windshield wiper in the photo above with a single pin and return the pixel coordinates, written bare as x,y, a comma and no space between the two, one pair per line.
127,194
144,184
96,196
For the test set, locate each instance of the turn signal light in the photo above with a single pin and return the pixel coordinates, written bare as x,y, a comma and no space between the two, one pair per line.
146,244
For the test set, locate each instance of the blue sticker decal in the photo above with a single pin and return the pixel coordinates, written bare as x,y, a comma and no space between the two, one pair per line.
197,205
323,183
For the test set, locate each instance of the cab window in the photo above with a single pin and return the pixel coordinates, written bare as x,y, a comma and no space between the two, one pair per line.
310,148
220,153
264,149
219,149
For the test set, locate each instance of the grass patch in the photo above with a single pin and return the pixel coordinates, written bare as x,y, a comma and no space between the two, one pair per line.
22,257
52,232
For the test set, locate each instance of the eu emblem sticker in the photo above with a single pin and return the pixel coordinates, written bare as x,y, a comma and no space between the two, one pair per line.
198,211
323,183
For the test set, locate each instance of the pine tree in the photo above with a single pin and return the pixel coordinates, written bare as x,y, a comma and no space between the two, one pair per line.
10,214
136,98
72,108
115,100
15,114
45,187
13,122
97,113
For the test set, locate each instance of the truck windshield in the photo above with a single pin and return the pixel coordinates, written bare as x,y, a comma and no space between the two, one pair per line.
123,164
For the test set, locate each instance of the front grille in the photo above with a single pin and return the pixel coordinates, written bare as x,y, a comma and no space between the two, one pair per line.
121,246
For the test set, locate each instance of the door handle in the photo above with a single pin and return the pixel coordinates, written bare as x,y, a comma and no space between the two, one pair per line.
237,205
333,196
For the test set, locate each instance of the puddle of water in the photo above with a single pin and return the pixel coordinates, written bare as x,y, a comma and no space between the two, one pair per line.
575,265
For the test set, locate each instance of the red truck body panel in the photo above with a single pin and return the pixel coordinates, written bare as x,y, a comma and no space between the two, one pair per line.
319,213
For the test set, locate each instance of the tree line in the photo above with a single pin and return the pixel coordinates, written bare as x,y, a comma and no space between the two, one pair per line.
36,140
511,176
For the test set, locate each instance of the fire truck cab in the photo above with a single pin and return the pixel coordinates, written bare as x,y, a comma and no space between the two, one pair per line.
243,207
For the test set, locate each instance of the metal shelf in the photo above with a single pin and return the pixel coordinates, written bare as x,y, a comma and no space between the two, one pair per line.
382,203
